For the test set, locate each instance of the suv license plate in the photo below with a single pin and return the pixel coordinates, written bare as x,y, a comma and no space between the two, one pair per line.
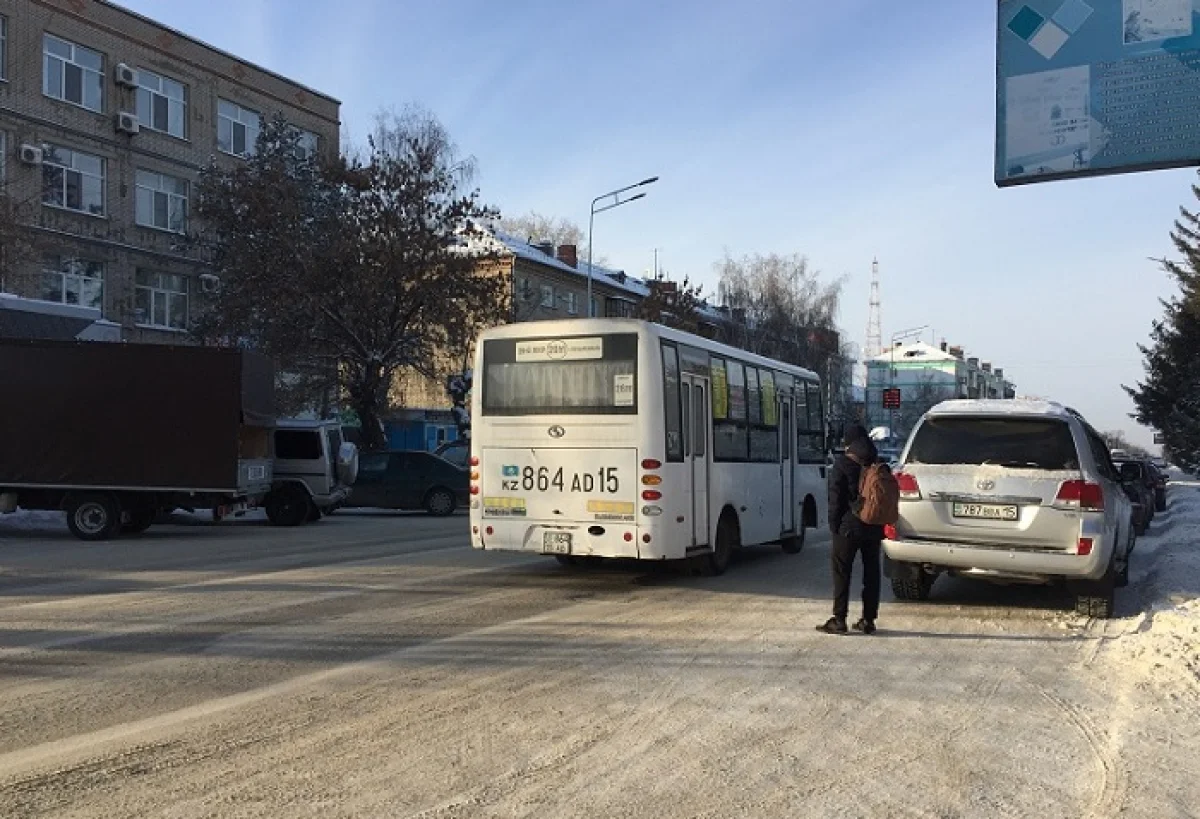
556,543
984,511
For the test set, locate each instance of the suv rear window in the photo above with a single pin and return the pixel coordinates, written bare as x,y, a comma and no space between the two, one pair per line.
1020,443
298,444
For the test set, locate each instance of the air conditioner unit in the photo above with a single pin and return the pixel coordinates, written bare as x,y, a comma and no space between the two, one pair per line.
31,155
209,283
127,123
125,75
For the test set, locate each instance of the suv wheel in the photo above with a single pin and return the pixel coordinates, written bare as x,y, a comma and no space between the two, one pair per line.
917,589
440,502
287,507
1096,598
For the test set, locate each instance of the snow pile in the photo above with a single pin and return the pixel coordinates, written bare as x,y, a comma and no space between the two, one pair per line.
1165,642
24,521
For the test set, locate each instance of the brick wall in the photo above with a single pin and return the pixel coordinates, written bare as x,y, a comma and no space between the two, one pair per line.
29,117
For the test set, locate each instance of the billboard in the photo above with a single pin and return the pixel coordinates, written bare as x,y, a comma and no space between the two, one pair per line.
1094,87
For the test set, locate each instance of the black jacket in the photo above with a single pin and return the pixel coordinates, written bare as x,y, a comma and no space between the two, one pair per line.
844,477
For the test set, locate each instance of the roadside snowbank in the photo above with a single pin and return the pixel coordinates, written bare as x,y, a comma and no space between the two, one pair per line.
1163,642
24,521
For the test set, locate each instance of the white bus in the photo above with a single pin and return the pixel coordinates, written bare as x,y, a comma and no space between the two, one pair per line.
622,438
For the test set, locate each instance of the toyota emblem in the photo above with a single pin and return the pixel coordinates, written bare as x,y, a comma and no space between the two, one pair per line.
556,431
987,484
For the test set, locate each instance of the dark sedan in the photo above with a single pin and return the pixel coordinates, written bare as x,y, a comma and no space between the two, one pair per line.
409,479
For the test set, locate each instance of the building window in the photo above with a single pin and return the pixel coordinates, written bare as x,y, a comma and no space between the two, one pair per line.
573,304
162,300
3,48
307,144
73,281
72,73
548,296
162,104
72,180
162,201
237,129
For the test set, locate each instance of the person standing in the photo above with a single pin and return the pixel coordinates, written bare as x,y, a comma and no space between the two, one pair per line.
851,536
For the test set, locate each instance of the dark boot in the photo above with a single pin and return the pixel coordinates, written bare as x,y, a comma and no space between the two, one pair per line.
834,625
865,626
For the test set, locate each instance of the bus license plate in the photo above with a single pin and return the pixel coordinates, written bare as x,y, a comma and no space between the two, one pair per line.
984,511
556,543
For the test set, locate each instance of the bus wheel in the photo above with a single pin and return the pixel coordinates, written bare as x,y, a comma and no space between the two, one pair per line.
728,538
793,544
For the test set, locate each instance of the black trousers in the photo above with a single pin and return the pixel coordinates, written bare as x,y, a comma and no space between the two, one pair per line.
843,552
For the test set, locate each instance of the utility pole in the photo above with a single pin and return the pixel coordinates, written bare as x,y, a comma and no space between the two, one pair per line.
874,338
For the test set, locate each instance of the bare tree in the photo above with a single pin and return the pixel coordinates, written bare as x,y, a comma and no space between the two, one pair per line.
675,304
537,227
362,263
918,400
781,307
16,249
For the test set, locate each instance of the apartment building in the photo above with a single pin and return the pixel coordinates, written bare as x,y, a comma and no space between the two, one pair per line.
925,375
106,120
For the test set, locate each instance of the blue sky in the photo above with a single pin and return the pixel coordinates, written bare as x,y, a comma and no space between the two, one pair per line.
849,130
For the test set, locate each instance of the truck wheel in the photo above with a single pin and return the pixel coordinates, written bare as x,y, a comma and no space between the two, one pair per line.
314,512
794,545
287,507
440,502
141,518
93,515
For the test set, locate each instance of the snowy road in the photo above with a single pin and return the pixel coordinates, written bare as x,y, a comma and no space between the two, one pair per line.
372,665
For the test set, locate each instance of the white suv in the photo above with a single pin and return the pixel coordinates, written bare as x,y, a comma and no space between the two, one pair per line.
1012,491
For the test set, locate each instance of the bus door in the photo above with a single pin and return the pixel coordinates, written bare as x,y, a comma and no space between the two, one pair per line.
787,439
695,452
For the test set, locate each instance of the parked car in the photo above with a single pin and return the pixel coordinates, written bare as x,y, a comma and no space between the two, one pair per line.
409,479
1140,490
1010,491
1160,486
456,452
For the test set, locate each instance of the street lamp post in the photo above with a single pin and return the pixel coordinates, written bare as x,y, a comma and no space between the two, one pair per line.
616,203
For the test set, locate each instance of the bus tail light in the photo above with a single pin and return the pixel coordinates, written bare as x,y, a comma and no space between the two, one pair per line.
474,460
474,476
646,538
651,480
651,495
651,463
474,489
651,511
489,530
629,537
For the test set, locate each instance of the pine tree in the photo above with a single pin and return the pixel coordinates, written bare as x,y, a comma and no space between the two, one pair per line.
1169,398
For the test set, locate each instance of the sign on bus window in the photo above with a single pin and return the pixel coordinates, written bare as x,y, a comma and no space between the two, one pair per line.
671,412
720,390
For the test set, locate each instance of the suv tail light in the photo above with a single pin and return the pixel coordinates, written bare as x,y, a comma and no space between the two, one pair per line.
909,490
1081,495
889,531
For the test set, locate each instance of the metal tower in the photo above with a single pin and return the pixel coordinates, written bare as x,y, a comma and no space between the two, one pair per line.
874,332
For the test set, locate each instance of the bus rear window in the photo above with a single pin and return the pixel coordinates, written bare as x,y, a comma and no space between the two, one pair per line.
575,375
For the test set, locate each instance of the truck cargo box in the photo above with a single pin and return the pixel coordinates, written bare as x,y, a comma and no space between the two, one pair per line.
135,416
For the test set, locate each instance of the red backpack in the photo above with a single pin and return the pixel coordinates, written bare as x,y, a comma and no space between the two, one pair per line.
879,496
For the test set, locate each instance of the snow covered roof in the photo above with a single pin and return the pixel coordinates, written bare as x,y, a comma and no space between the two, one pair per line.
918,351
1000,406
